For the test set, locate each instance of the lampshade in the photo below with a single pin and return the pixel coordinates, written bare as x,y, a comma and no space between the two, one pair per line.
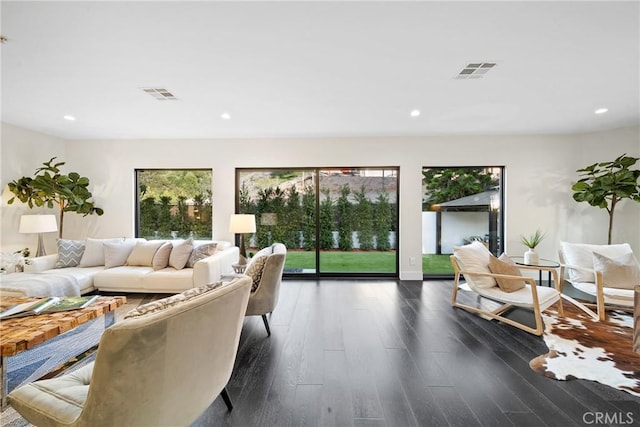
242,223
38,224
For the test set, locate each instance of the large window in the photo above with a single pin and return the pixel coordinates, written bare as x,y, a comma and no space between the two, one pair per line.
459,205
340,221
173,203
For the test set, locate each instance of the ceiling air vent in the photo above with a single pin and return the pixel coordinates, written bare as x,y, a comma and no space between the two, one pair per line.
475,70
161,94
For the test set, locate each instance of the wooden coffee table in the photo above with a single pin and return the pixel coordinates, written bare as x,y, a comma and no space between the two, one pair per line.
24,333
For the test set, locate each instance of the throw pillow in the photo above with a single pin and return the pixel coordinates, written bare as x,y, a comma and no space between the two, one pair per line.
581,255
180,254
262,252
116,253
164,303
69,252
161,258
255,270
201,252
94,251
475,257
143,253
504,265
622,272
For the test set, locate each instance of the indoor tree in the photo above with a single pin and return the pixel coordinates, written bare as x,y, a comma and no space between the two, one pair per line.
49,187
604,184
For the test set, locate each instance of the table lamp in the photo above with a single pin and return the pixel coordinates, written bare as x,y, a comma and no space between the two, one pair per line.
38,224
241,224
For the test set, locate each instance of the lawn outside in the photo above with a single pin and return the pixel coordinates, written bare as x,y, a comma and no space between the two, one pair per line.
361,262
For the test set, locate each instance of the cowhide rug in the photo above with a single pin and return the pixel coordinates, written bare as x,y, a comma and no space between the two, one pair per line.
581,347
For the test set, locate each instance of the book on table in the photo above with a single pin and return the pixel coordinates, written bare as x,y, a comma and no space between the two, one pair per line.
47,305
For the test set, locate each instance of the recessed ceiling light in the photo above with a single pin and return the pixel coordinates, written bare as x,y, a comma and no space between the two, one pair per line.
414,113
601,110
225,116
68,117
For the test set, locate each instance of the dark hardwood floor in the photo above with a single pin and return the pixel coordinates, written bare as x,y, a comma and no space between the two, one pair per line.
395,353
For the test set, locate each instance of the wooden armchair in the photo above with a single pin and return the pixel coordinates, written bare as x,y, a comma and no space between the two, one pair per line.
472,261
608,273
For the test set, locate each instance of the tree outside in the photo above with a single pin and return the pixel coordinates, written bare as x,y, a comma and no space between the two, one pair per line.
354,211
174,203
446,184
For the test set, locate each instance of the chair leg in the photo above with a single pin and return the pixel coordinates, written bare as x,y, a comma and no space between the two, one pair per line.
266,324
226,398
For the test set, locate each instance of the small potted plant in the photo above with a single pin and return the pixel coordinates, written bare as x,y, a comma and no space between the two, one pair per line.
531,242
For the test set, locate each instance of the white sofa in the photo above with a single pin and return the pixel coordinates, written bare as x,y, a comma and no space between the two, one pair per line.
44,279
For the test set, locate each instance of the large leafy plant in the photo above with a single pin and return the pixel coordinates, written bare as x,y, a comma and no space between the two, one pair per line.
604,184
49,187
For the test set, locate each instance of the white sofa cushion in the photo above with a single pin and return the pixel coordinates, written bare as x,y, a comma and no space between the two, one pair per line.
168,280
94,252
615,296
475,257
84,276
201,252
522,297
143,252
180,254
161,257
125,278
581,255
116,253
622,272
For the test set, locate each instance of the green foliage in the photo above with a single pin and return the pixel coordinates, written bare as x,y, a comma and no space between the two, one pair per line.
363,220
49,187
446,184
293,222
171,215
296,216
383,221
532,241
244,200
344,219
174,183
325,239
604,184
309,218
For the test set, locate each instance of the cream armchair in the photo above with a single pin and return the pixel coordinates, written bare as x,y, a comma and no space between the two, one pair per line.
264,297
160,367
608,273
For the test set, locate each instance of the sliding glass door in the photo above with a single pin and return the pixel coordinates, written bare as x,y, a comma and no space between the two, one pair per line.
340,221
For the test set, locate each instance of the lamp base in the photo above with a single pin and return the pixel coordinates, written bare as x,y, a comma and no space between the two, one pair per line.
40,251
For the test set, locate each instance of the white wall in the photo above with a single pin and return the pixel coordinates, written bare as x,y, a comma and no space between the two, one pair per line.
21,152
539,171
458,226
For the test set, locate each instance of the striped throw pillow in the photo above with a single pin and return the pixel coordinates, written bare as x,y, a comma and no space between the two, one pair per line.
69,252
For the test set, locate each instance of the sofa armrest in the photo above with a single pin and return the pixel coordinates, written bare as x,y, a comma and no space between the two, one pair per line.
212,268
41,263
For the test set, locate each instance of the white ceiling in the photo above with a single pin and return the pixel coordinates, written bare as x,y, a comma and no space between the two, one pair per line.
299,69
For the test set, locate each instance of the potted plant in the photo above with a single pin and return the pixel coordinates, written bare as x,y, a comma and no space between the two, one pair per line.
531,242
49,187
604,184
